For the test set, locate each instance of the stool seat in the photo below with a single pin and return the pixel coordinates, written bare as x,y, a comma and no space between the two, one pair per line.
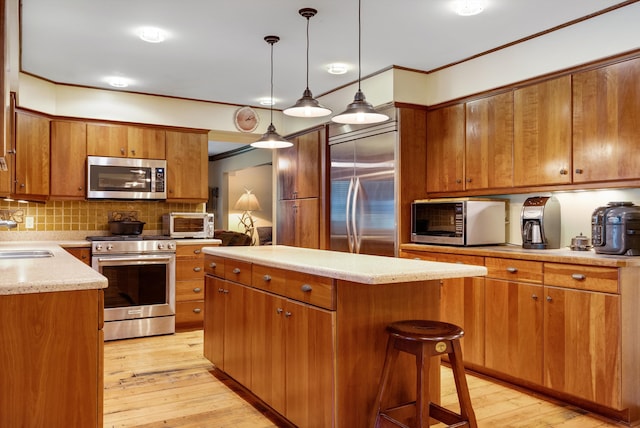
424,339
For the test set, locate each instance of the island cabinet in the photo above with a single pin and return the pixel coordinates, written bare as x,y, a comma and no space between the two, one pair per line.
51,359
304,334
68,159
189,287
187,166
80,253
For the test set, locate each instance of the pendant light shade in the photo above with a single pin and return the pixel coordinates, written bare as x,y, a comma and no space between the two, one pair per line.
271,139
359,111
307,106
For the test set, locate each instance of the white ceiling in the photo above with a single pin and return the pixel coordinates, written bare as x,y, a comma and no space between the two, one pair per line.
215,49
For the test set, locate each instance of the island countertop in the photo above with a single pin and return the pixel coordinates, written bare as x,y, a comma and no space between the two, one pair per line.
361,268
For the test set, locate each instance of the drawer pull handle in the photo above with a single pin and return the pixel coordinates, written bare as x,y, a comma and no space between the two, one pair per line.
220,290
266,278
306,288
236,270
197,290
279,311
197,251
197,269
287,314
511,269
549,298
534,297
225,291
212,265
578,277
197,310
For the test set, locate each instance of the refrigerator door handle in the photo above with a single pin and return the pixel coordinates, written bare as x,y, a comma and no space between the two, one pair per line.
347,215
357,234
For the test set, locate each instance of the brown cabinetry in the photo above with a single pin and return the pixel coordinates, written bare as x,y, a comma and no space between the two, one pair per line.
187,166
542,133
51,359
125,141
445,149
605,123
189,287
82,254
299,222
31,155
68,159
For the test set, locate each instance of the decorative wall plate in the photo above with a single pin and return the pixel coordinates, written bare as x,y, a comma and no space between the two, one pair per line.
246,119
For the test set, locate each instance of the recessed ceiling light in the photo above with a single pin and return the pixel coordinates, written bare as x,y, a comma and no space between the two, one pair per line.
267,102
468,7
152,34
118,82
337,68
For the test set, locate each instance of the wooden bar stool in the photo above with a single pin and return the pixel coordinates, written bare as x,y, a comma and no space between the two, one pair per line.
425,339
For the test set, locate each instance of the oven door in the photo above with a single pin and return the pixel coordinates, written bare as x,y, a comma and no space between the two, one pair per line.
140,286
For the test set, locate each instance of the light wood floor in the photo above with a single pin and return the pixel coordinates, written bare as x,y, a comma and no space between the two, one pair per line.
165,381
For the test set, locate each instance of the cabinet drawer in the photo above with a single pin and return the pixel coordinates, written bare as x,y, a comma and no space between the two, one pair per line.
190,314
514,270
189,251
214,265
189,290
189,269
237,271
581,277
312,289
269,279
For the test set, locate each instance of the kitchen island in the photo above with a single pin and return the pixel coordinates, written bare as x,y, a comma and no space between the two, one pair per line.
51,342
304,329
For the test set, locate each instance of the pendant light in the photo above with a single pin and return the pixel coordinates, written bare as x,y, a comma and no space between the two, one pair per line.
307,106
359,111
271,139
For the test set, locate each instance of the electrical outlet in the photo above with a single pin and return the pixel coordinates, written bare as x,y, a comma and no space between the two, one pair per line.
28,223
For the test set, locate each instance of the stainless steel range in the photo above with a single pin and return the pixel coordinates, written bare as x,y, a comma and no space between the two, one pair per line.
140,298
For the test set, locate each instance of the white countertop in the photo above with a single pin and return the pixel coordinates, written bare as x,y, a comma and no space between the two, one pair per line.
361,268
62,272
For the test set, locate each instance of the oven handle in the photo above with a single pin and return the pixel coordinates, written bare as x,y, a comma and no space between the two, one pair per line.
138,260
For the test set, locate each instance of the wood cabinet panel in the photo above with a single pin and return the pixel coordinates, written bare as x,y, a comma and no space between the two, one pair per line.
82,254
313,289
187,166
68,159
514,269
146,143
489,142
542,133
269,279
299,223
606,107
445,149
299,168
106,140
582,345
581,277
190,314
189,291
514,333
189,287
32,165
214,309
238,271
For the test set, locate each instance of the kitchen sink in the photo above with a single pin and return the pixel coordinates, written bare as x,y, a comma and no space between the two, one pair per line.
24,254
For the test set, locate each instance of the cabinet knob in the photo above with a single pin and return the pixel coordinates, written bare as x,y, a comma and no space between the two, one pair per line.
22,185
279,311
306,288
287,314
226,291
80,189
578,277
549,299
563,171
212,265
197,290
11,151
220,290
512,269
458,180
579,170
197,310
198,251
534,297
266,278
197,269
133,152
236,270
122,150
469,180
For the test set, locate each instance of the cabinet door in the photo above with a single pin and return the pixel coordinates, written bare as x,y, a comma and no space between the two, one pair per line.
299,167
310,352
605,123
106,140
32,155
68,159
542,133
237,340
187,166
513,329
445,149
582,345
266,324
214,321
489,142
146,143
299,223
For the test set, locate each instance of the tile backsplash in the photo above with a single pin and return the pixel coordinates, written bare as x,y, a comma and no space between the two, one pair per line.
89,216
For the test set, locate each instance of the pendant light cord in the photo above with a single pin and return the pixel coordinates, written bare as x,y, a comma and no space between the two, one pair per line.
272,102
359,43
308,52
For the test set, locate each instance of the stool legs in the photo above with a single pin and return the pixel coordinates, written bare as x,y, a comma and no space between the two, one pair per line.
389,361
466,410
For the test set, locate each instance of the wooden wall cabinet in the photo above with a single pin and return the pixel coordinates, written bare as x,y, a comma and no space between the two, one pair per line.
606,124
445,149
299,222
68,159
187,166
32,155
189,287
125,141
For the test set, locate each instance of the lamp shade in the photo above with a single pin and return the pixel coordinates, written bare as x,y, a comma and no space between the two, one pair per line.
247,202
307,106
359,112
271,140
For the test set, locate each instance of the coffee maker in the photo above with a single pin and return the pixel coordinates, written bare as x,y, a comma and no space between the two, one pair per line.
540,223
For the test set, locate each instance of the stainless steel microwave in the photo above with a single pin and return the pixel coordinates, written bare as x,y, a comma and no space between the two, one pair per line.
188,225
460,221
126,178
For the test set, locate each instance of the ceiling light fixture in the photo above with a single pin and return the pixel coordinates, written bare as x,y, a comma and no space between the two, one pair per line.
359,111
307,106
337,68
271,139
468,7
152,34
266,102
118,82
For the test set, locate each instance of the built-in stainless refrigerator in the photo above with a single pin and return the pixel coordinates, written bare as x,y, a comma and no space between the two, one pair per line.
363,188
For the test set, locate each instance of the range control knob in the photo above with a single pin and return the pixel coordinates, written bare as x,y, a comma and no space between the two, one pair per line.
160,246
109,247
171,246
98,247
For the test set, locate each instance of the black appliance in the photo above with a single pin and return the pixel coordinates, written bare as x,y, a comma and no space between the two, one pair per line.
615,229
